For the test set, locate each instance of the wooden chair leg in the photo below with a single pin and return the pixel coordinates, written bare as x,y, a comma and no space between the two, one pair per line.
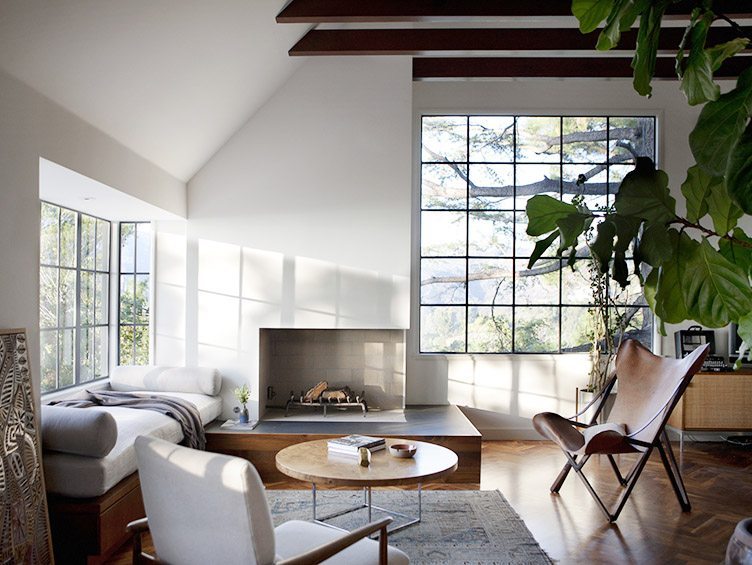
571,460
617,472
675,477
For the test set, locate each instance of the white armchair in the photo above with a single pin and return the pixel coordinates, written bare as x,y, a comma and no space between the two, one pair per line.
208,508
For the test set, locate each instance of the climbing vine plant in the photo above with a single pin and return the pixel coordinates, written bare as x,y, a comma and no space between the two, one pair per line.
698,264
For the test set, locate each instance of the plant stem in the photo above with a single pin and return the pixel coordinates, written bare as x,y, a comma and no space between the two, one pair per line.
687,224
736,27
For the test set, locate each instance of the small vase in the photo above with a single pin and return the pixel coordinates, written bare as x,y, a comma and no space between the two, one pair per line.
739,550
243,417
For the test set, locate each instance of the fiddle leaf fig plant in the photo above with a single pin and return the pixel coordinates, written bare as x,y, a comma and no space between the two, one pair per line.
692,266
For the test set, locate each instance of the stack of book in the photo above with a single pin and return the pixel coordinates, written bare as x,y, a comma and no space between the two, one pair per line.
349,445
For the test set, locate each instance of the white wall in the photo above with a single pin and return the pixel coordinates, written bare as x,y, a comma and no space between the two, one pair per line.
503,392
302,220
31,126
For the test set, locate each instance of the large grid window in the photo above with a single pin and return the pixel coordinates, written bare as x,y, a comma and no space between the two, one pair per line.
477,174
73,299
135,267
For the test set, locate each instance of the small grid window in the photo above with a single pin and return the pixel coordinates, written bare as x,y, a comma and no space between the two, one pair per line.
135,268
477,174
73,299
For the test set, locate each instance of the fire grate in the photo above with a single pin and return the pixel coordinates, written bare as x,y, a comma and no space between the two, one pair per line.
321,396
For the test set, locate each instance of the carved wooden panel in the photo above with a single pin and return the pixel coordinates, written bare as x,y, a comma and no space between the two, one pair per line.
24,524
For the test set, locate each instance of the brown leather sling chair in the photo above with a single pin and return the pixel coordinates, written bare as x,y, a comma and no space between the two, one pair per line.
649,388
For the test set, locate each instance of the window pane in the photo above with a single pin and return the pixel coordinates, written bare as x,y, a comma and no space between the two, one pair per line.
101,347
492,186
88,241
575,284
87,299
444,138
584,140
67,308
141,302
489,330
490,281
47,297
536,179
127,292
491,234
442,281
102,296
442,329
594,189
576,329
48,359
143,247
141,338
492,138
48,253
444,186
126,345
631,134
631,295
443,233
127,247
86,355
67,238
538,139
67,359
539,285
103,245
536,330
478,175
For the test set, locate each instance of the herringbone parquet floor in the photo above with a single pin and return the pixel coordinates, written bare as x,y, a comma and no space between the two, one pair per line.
651,529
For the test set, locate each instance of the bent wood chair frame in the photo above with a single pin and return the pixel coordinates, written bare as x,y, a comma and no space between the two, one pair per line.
660,442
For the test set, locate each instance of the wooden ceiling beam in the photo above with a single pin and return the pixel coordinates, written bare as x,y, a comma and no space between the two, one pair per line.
437,68
356,11
464,40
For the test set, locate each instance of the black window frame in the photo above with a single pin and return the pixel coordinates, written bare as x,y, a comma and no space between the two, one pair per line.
514,210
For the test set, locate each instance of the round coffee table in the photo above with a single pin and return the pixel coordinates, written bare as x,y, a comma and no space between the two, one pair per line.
312,462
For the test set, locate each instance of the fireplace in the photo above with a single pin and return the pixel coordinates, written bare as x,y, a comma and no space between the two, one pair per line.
368,362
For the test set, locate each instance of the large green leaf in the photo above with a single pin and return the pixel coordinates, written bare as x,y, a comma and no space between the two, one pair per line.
591,13
716,290
544,211
695,189
722,209
670,302
644,194
603,246
745,328
611,32
627,228
655,245
736,252
739,172
697,75
570,228
720,125
719,53
646,50
540,248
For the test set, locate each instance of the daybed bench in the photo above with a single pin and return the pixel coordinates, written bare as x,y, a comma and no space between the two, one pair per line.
90,461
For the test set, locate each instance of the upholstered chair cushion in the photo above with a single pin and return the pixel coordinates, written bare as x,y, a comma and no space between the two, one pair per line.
91,432
202,380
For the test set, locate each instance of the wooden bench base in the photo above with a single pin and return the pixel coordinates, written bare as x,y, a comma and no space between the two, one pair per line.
89,530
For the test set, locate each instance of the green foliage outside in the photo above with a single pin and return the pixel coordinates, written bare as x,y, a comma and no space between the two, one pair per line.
699,264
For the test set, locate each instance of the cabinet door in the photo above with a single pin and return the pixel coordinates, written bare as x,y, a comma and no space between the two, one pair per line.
718,401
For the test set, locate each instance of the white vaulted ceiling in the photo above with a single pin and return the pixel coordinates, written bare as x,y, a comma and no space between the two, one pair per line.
170,79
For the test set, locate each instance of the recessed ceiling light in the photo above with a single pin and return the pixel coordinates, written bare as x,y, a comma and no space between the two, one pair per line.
88,198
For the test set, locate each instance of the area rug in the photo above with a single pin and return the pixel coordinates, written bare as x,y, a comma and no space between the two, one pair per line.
462,526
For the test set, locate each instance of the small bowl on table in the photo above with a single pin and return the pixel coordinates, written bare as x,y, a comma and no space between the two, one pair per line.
402,450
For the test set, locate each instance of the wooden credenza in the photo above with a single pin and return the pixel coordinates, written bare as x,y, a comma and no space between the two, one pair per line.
715,402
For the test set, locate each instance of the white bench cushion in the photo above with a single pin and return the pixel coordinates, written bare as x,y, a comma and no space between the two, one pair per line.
158,378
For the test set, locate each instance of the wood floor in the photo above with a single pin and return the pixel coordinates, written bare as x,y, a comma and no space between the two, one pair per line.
651,529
